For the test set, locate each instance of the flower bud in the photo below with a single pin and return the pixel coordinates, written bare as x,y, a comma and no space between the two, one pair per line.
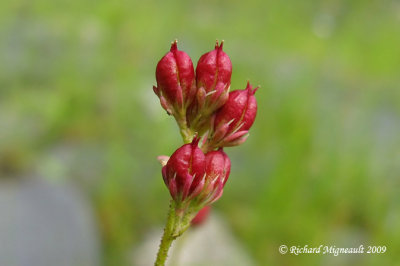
213,79
218,168
194,177
201,216
233,121
176,86
186,165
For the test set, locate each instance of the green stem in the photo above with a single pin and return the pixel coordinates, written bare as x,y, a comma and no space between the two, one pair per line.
186,133
167,237
177,222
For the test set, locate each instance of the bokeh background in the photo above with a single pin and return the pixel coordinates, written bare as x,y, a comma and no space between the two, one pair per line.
321,165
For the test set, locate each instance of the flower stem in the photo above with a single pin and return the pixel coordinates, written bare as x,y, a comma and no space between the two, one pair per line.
186,133
177,222
167,237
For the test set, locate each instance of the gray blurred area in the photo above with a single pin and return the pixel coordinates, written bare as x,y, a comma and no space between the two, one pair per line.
43,224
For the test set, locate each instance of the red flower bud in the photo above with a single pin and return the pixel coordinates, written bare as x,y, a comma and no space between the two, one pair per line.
213,78
186,165
201,216
235,118
218,168
191,175
176,86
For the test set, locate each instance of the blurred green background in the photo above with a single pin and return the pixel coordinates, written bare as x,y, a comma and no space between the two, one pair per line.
322,161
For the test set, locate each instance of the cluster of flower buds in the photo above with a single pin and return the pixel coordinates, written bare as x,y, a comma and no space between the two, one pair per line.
209,117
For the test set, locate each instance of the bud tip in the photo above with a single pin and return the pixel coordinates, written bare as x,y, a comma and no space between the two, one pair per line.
219,46
250,89
222,44
174,45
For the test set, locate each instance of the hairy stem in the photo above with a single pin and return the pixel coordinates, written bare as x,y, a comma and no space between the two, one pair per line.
177,222
167,237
